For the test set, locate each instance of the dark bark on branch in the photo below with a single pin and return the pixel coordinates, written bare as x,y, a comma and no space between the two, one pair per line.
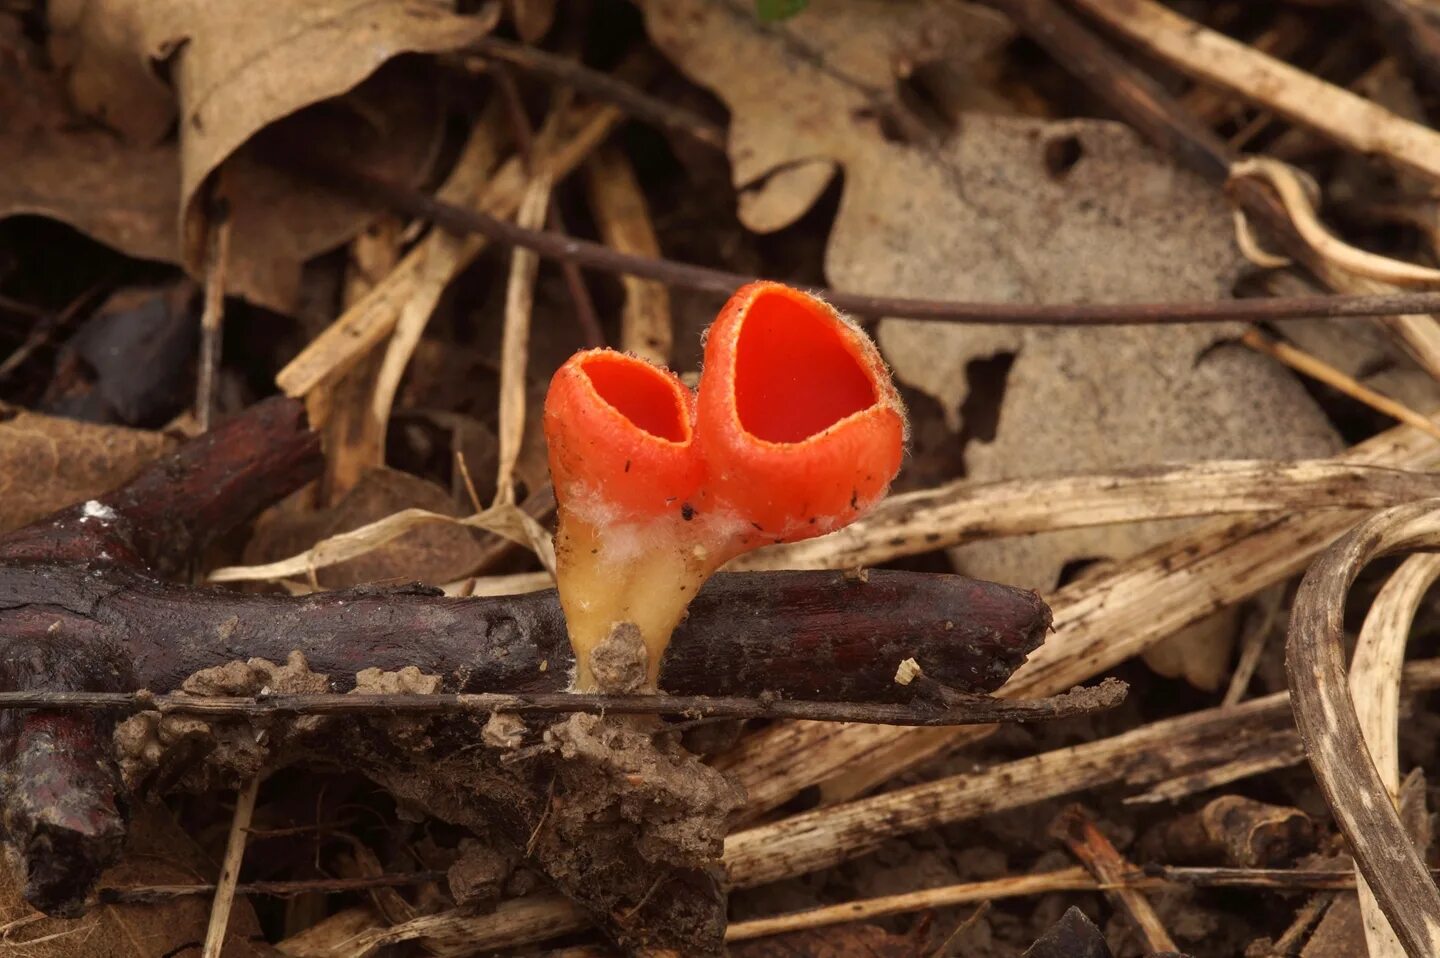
83,608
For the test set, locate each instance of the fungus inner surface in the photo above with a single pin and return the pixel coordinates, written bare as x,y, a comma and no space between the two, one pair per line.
795,375
641,393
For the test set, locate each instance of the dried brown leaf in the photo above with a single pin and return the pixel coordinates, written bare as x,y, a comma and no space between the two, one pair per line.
1004,209
158,853
59,166
47,463
233,72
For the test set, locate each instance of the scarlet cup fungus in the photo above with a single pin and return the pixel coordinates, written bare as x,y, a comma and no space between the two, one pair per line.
798,429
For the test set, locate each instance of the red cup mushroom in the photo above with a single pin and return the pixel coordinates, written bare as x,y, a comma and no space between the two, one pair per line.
798,430
798,418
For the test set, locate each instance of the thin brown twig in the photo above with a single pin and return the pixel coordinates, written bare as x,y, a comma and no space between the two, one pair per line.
48,326
1322,371
212,318
722,282
603,87
1149,878
580,297
957,708
230,869
149,894
1077,829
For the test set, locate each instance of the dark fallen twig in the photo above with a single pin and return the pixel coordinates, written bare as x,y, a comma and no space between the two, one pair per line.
961,710
83,613
149,894
1078,830
566,249
601,86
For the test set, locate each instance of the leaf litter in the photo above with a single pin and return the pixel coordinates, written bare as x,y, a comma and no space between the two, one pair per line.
901,149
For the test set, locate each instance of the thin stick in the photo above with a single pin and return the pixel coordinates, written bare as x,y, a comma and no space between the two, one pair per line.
574,282
1065,879
212,319
1077,829
1043,883
690,276
149,894
959,708
1321,371
1261,623
230,869
602,86
923,521
1344,117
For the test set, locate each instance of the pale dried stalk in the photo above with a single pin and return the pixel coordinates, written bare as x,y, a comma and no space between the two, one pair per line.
623,218
1258,626
828,836
341,410
1099,622
230,870
1285,755
446,256
322,939
1325,714
1155,752
1332,111
504,520
1303,362
515,339
212,319
1014,886
450,934
960,512
366,324
1375,672
1292,192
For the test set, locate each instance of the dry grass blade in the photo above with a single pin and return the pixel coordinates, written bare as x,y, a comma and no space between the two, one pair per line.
1375,672
444,257
1344,117
515,346
452,934
1065,879
503,520
230,869
1325,713
1298,204
369,321
959,512
212,317
1099,622
623,218
1305,363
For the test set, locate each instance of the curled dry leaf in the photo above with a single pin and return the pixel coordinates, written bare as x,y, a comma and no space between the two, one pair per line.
158,853
47,463
229,73
1005,209
58,166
